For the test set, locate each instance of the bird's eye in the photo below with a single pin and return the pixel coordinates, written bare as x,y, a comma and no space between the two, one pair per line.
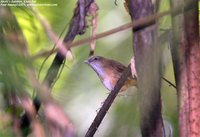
95,59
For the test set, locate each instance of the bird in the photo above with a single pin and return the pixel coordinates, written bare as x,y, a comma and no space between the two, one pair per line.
109,71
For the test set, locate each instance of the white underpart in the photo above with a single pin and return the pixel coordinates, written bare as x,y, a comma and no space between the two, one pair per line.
98,68
108,84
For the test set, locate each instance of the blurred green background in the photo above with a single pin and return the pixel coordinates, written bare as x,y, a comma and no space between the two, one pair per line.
78,89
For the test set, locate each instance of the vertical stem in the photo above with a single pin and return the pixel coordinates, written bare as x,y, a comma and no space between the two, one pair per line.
177,46
148,66
192,55
186,55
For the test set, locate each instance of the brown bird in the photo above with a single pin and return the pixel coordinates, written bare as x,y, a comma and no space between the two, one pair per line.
109,72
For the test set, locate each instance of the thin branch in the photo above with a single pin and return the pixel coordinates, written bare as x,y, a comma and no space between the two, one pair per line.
136,25
169,82
108,102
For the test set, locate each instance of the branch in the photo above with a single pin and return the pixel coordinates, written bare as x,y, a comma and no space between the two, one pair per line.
108,102
52,111
29,108
136,25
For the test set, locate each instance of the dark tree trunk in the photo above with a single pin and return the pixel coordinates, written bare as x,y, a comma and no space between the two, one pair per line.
148,67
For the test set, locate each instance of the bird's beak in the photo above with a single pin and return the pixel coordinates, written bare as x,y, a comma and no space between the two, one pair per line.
86,62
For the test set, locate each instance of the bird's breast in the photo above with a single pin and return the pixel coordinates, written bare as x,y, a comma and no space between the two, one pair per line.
107,83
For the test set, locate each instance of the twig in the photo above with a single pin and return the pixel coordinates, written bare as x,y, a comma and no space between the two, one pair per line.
170,83
108,102
136,25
